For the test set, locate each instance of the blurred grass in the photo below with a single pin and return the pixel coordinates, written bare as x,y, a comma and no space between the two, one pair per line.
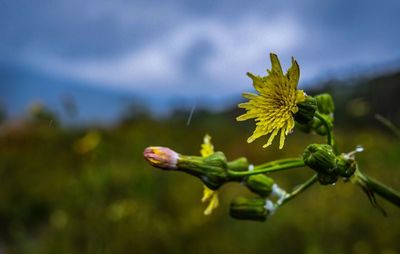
90,191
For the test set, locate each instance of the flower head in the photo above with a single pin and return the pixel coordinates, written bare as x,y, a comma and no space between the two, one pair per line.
274,106
161,157
209,196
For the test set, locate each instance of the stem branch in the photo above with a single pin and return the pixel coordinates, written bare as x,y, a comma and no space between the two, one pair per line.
299,190
276,162
293,164
328,127
379,188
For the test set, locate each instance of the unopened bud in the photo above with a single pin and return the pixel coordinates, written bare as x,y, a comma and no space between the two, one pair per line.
325,103
320,128
161,157
306,110
346,166
248,209
320,157
240,164
260,184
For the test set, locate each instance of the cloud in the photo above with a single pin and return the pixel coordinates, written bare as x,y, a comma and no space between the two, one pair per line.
235,48
190,49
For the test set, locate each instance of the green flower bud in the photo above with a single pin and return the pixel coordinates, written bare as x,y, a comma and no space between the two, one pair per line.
306,110
212,170
248,209
260,184
240,164
346,166
320,157
318,127
325,103
327,178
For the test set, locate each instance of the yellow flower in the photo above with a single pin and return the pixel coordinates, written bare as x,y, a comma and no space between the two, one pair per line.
207,147
209,195
276,102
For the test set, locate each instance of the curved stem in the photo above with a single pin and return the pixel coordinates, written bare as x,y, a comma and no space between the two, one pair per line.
327,126
298,190
294,164
276,162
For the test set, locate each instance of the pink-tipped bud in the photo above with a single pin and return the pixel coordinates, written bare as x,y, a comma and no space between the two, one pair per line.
161,157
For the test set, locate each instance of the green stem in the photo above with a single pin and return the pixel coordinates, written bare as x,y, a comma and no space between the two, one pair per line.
379,188
388,124
276,162
294,164
328,127
299,190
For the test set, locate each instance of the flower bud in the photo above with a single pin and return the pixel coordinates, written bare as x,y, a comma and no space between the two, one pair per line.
327,178
248,209
318,127
346,166
161,157
260,184
325,103
306,110
320,157
240,164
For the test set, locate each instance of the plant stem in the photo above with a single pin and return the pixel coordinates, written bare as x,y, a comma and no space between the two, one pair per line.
298,190
328,127
294,164
377,187
276,162
388,124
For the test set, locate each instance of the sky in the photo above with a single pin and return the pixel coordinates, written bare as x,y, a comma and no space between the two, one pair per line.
195,49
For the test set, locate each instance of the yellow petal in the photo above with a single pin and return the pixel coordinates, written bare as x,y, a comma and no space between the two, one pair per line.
276,65
207,194
293,74
207,147
212,205
276,102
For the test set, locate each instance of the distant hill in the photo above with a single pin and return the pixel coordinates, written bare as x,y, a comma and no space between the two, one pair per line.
357,99
70,100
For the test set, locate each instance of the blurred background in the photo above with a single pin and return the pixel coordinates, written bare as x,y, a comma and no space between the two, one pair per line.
85,86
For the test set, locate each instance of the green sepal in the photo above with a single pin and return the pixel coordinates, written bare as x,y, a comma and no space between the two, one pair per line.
327,178
240,164
306,128
243,208
346,166
306,110
212,170
318,127
259,184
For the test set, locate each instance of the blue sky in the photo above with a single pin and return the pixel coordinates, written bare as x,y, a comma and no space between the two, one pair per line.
195,48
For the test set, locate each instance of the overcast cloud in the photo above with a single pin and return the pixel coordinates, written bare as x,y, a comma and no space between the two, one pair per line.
195,48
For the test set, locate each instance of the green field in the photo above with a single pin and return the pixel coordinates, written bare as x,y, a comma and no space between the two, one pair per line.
66,191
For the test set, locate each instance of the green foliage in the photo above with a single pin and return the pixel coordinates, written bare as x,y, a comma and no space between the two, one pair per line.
57,198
